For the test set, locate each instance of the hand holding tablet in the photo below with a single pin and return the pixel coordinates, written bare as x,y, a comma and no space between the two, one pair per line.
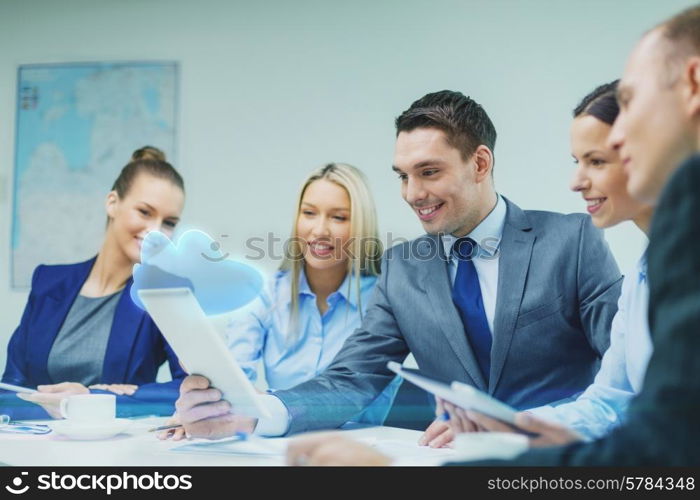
200,348
459,394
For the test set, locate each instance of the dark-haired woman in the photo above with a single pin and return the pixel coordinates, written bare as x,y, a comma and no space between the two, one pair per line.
80,331
601,180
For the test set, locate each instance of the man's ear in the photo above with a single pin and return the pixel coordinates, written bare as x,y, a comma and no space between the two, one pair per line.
691,76
111,204
483,159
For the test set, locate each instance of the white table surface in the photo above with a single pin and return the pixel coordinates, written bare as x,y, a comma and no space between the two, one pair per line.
137,447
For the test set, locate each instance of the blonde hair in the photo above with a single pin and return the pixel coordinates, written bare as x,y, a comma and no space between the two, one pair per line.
365,248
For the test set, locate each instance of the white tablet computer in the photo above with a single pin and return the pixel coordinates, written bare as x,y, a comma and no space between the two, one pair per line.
462,395
200,348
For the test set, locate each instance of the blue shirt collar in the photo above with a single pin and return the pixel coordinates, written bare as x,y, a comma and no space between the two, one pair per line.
490,227
347,285
304,288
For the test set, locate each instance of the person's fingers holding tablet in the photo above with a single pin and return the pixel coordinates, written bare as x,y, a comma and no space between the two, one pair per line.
194,382
545,433
484,423
459,422
201,404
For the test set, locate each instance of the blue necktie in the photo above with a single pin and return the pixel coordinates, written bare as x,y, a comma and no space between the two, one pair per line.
466,295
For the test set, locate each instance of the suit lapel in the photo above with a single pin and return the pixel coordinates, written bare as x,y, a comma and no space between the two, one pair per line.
58,301
122,336
436,280
514,261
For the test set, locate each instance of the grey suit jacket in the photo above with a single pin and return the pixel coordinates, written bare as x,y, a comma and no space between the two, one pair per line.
557,293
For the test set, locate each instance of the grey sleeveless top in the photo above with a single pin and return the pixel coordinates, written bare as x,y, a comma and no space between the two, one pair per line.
78,352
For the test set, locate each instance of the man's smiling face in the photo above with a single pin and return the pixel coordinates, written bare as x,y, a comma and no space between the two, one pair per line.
443,189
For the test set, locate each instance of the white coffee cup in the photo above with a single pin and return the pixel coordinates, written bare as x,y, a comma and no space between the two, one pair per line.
89,408
489,445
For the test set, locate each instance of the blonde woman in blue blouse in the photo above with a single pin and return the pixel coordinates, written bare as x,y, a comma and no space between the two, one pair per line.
321,291
319,295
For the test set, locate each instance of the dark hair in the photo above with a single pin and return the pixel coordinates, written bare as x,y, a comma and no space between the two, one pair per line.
464,121
147,160
601,103
684,27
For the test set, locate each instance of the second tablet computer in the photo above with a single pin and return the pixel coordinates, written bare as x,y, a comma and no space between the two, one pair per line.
462,395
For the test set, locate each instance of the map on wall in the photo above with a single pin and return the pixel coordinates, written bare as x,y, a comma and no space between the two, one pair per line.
77,125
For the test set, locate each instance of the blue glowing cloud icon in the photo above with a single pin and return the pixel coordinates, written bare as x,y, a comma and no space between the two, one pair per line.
196,261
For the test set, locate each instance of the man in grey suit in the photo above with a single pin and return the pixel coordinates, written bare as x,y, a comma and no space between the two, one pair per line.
658,135
524,314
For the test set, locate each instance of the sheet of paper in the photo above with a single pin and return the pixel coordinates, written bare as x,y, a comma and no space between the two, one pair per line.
407,452
273,447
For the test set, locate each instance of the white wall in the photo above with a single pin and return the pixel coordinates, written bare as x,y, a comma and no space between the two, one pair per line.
272,89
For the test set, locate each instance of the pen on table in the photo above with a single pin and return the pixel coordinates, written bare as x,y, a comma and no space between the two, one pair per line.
165,428
240,436
243,436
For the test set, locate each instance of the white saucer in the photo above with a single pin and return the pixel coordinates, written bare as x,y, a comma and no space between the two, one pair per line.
89,431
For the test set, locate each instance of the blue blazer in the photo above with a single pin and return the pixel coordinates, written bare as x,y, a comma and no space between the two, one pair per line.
135,349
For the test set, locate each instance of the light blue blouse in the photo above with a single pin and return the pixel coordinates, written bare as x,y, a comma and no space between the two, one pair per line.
603,405
260,332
